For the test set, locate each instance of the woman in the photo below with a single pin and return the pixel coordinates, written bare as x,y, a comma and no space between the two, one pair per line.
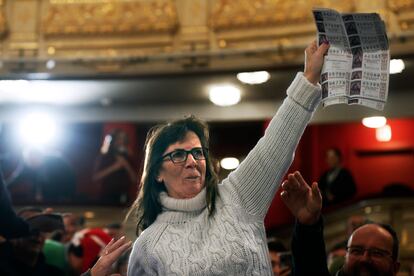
193,226
113,168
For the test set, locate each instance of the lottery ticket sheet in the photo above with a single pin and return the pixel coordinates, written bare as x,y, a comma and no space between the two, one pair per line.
356,67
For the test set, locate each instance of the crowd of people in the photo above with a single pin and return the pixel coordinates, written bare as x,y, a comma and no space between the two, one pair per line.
37,241
189,223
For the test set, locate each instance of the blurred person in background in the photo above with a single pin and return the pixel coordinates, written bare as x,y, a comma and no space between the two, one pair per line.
49,175
279,257
115,230
113,260
85,249
337,183
23,255
114,169
336,255
11,225
372,249
73,223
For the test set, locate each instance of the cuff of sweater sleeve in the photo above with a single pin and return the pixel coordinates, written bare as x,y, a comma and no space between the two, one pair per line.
304,93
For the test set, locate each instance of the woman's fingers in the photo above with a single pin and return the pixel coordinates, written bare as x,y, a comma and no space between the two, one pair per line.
322,49
120,250
114,245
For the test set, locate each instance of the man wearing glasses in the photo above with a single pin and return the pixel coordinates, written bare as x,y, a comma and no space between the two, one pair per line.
372,248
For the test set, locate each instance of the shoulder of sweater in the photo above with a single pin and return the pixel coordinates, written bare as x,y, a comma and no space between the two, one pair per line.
154,231
150,236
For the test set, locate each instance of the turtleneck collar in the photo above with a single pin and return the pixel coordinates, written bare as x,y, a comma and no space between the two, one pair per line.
194,204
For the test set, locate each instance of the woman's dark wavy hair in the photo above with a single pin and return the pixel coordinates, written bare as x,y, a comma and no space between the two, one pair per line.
147,205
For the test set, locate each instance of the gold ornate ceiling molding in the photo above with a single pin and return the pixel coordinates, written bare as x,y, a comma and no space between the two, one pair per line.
3,25
284,26
94,17
230,14
157,36
404,13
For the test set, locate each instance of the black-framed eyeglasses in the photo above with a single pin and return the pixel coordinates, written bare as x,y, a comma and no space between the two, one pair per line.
180,155
372,252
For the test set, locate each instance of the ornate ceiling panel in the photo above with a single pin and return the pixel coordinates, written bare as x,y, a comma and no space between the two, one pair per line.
228,14
68,17
2,19
403,10
164,36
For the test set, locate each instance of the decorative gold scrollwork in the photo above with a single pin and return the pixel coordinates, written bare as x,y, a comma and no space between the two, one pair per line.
70,17
3,25
228,14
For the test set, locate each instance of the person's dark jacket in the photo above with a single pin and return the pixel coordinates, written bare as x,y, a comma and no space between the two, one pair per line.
11,226
343,187
308,250
11,266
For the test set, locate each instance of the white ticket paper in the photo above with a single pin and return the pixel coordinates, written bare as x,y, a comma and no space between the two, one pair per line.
356,67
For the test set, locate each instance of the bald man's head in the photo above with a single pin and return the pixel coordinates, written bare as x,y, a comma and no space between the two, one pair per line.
372,250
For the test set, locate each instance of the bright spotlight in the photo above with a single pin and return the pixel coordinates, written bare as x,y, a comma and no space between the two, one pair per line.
374,122
383,134
50,64
224,95
229,163
256,77
396,66
37,129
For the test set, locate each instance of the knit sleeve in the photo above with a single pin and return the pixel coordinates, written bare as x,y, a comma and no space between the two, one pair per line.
140,261
254,183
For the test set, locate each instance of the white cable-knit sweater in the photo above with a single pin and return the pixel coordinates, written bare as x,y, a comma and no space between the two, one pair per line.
185,241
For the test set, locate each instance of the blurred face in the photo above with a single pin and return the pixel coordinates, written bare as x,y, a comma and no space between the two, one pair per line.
370,252
280,263
115,233
332,159
71,226
120,143
275,260
121,139
184,179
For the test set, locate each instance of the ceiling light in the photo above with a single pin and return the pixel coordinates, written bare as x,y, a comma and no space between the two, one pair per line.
374,122
50,64
37,129
256,77
229,163
396,66
224,95
383,134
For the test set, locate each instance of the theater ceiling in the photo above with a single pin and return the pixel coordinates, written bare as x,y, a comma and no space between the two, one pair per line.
127,49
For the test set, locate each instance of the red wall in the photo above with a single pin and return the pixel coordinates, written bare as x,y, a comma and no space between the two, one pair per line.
374,164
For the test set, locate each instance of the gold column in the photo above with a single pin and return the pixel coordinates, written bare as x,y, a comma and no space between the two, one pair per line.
193,35
23,23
